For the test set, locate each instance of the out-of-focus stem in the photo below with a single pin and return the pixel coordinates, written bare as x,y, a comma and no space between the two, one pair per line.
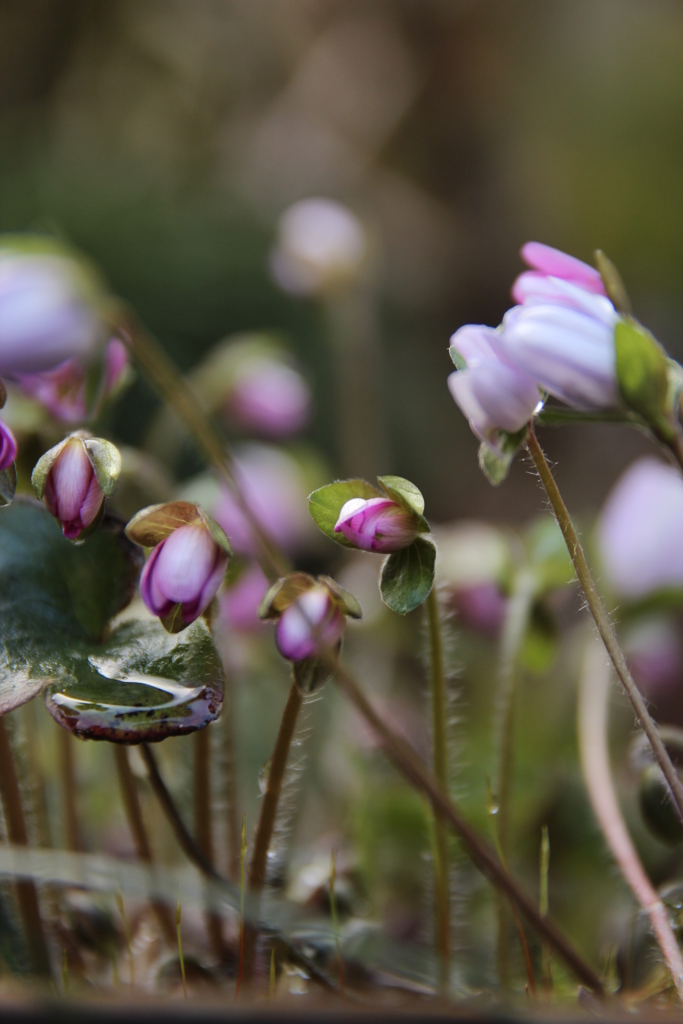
163,373
131,805
17,834
203,829
514,629
266,824
592,720
439,701
67,776
228,778
602,621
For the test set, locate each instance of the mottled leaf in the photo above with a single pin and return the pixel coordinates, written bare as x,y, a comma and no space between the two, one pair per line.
408,576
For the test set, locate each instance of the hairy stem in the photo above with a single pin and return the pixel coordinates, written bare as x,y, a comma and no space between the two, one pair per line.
136,824
409,764
592,721
256,877
514,630
439,700
27,896
176,391
602,621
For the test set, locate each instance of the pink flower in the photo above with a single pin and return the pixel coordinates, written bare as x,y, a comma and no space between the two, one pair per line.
240,602
491,391
71,491
321,246
313,621
640,532
8,446
269,397
376,524
184,571
548,266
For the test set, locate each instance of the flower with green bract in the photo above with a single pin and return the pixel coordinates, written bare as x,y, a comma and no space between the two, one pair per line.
74,478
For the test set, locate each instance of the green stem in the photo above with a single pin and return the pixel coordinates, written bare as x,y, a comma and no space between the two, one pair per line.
442,880
67,775
602,621
266,823
171,384
412,768
136,824
514,630
203,828
17,834
228,777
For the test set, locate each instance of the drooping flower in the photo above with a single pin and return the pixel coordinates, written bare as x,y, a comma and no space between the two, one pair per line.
8,446
187,566
73,479
490,390
377,524
640,531
320,246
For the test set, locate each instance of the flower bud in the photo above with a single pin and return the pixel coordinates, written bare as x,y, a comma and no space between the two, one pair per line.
269,397
74,478
320,246
377,524
8,447
187,565
50,304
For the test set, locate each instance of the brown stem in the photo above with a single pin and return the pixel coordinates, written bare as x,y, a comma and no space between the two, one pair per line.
602,621
228,775
17,834
409,764
203,830
131,804
152,358
266,824
74,841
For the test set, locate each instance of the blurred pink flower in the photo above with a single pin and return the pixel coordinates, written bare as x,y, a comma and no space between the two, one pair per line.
320,245
239,603
312,621
640,530
269,397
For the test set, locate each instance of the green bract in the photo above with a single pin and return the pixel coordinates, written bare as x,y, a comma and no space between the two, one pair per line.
408,576
153,524
643,376
104,457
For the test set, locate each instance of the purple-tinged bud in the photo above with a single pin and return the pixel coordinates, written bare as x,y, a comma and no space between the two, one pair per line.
490,390
377,524
185,570
50,305
640,532
269,397
187,565
8,446
311,623
73,479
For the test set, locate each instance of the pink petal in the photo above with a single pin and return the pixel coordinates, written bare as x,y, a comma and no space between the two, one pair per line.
559,264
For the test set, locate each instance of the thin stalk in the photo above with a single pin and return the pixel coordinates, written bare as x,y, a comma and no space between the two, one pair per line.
181,958
415,771
602,621
442,870
27,896
173,387
266,824
136,824
67,776
514,630
228,768
203,829
592,721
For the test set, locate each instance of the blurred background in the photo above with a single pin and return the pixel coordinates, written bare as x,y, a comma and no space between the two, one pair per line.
166,138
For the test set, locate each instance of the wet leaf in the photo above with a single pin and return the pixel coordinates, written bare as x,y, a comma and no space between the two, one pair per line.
408,576
326,503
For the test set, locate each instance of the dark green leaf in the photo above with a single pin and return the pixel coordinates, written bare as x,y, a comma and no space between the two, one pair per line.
408,576
8,484
326,503
643,375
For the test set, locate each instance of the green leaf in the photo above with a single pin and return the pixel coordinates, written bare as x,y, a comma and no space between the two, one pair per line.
643,375
494,465
326,503
408,576
406,494
8,484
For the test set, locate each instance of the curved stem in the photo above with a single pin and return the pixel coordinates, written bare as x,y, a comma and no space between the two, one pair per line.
602,621
136,824
161,370
514,629
17,834
412,768
442,880
592,722
256,877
